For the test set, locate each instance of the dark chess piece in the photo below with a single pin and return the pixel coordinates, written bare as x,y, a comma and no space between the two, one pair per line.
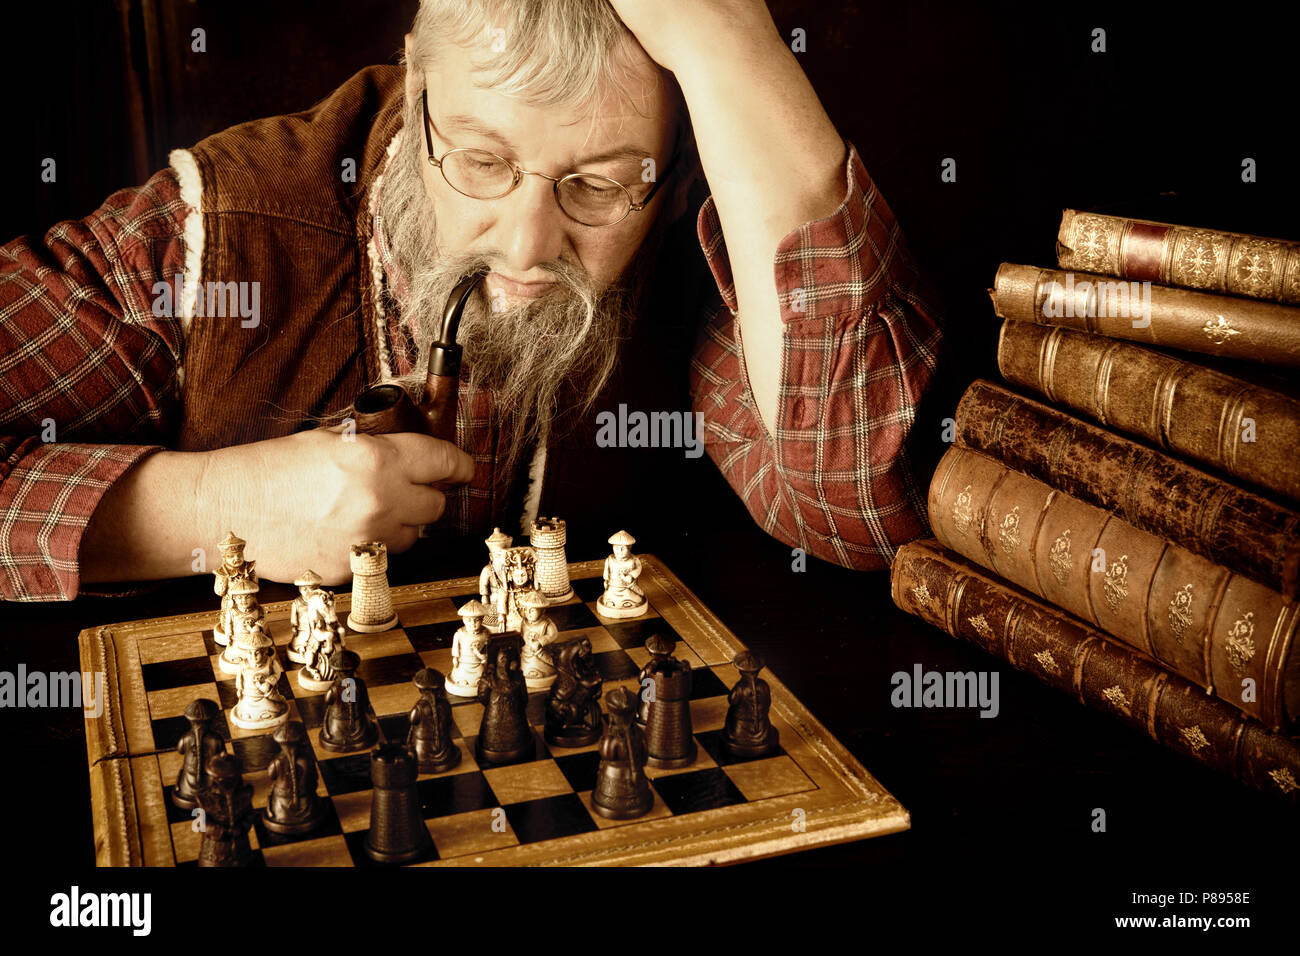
661,648
504,734
227,815
430,734
668,732
199,745
748,731
573,717
349,721
397,831
292,807
622,790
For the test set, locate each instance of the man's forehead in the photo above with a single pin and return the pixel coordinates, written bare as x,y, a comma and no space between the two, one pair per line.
630,118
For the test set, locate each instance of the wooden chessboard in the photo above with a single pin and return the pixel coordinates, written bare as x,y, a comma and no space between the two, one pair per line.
718,810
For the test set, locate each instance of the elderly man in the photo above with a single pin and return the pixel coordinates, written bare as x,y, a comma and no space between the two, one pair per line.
187,335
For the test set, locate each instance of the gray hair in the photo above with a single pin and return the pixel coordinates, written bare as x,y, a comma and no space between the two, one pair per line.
552,52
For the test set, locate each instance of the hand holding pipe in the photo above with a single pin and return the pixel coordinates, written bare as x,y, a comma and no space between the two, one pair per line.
385,409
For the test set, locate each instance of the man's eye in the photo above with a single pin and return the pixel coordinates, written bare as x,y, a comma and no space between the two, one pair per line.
481,165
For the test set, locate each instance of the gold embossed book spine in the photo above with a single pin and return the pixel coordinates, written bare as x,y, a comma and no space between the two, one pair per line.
1220,325
1227,262
942,589
1248,432
1223,631
1242,531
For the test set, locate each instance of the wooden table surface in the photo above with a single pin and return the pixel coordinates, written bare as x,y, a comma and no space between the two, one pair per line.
1015,793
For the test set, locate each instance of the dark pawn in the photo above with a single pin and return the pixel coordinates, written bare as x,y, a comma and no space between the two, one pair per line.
669,735
430,734
349,722
397,831
573,702
227,814
504,734
748,731
199,745
292,806
622,790
661,648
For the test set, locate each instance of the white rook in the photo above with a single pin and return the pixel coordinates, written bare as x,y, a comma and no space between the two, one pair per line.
547,536
372,605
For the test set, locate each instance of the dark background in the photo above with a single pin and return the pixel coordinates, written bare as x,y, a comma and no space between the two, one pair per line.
1155,127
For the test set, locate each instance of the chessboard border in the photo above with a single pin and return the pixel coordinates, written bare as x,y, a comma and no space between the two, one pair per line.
870,811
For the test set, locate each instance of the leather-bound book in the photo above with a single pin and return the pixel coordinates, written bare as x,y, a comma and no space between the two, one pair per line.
1228,262
1160,315
1238,529
1232,425
942,589
1223,631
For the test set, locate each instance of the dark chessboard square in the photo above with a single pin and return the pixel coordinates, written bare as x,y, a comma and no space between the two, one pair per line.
347,774
255,753
329,826
209,643
588,589
549,818
175,814
455,793
699,790
311,710
227,696
580,769
573,617
713,742
164,675
634,633
397,669
432,637
356,842
615,665
705,683
168,731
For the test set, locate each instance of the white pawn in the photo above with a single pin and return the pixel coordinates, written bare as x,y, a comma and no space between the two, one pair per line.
468,651
538,631
623,597
300,616
260,704
244,611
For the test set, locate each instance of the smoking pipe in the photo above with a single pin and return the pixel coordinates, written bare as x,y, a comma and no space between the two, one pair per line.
384,409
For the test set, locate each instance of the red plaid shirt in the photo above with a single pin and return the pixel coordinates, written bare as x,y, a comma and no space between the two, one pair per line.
83,355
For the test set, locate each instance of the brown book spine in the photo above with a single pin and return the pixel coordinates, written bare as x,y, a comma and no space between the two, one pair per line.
1159,315
943,590
1219,521
1226,262
1249,432
1223,631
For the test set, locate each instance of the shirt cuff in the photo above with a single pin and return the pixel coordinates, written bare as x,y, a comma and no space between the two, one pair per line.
46,501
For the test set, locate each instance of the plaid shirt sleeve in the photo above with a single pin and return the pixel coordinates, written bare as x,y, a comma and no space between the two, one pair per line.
861,337
85,362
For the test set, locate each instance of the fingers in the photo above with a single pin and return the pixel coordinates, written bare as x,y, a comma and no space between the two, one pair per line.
419,504
424,460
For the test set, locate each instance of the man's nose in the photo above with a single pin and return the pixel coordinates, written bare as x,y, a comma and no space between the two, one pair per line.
530,226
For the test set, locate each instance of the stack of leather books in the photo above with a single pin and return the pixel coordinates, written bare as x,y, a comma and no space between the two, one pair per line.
1131,534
